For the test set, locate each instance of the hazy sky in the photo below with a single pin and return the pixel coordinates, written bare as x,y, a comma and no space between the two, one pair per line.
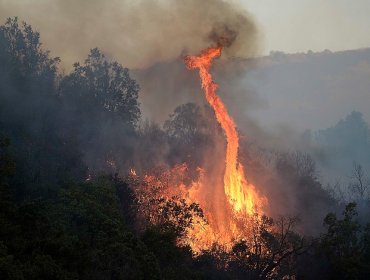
301,25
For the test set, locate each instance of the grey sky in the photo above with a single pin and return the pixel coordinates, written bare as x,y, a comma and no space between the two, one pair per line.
301,25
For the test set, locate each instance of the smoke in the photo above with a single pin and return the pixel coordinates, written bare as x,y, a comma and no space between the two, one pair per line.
166,85
153,36
150,36
136,33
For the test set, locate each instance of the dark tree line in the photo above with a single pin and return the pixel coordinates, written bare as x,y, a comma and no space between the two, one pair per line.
67,211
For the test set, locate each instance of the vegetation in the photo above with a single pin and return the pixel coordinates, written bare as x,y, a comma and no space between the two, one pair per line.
67,213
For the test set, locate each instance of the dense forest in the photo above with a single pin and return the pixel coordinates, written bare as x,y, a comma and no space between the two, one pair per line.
70,208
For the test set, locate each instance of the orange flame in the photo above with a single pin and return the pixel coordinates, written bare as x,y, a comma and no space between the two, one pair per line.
229,217
241,194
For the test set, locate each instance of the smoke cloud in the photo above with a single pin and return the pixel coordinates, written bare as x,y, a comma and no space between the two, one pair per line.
136,33
153,36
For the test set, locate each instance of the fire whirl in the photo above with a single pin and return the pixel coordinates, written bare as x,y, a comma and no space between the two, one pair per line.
241,195
233,208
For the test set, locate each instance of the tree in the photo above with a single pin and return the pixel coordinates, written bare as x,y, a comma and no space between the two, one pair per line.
92,212
186,123
101,106
345,246
151,147
158,204
22,55
30,112
106,87
191,131
163,219
338,146
299,177
360,183
77,234
348,134
270,252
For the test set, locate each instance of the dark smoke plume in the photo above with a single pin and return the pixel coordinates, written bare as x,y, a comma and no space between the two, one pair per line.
223,36
137,33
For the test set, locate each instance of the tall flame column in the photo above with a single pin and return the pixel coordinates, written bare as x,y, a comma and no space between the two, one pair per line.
240,193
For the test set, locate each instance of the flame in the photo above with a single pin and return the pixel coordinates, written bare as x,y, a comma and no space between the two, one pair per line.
228,217
240,193
133,172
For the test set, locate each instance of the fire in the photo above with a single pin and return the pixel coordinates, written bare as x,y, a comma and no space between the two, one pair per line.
240,193
232,206
133,172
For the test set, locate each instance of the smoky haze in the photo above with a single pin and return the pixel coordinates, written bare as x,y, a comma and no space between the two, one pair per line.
136,33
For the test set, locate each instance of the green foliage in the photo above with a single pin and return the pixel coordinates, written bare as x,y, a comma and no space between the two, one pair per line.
30,113
346,246
101,106
22,53
175,262
104,84
93,214
80,234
